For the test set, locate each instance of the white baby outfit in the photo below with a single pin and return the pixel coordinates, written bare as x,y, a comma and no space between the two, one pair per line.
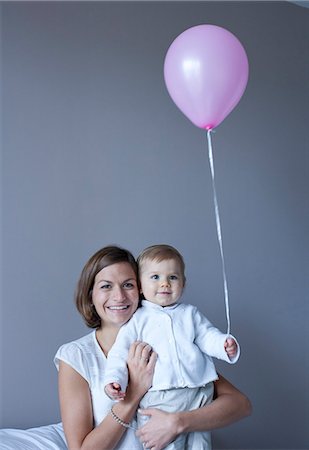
185,341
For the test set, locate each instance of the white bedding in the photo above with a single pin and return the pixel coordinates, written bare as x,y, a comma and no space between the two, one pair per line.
49,437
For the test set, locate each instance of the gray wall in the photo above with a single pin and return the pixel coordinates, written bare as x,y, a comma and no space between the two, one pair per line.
95,152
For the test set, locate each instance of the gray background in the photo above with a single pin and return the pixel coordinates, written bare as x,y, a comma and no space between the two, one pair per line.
95,152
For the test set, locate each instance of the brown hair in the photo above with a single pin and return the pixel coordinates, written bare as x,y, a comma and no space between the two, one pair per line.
160,253
102,258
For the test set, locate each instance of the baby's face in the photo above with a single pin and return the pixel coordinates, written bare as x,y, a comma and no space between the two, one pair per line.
161,282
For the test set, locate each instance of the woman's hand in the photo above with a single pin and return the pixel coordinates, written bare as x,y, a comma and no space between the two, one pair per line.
161,429
141,363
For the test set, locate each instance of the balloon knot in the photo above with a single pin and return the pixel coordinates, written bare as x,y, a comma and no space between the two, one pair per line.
210,129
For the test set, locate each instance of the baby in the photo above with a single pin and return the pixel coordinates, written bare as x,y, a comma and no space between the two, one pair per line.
183,338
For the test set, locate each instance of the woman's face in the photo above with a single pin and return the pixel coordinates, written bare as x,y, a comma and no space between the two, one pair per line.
115,294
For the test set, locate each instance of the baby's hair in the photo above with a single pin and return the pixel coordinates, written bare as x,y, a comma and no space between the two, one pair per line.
162,252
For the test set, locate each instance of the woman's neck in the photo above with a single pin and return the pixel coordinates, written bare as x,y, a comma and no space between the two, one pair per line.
106,337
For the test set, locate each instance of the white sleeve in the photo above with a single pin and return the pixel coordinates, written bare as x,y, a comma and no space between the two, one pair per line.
72,355
116,367
211,340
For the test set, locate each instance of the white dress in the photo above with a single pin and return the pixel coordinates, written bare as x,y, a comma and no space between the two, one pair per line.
87,358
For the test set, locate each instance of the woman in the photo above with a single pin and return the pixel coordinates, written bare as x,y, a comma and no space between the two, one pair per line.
107,295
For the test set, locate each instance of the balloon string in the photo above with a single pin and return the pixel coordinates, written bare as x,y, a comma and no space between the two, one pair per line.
219,234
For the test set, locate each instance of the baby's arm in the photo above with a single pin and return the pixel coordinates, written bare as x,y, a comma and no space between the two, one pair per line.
116,372
213,342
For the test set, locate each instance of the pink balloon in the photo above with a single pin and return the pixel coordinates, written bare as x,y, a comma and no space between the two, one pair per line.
206,72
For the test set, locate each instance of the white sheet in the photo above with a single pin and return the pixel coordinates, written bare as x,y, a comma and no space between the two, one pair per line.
49,437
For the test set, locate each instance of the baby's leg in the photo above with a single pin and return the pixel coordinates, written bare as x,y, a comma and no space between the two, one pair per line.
200,440
174,400
157,399
170,400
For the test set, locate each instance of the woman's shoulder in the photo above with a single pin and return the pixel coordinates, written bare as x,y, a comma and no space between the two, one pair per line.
80,354
83,344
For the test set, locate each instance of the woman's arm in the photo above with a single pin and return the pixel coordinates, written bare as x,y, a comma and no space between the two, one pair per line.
76,406
229,406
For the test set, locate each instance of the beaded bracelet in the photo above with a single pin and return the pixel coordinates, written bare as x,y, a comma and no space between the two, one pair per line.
118,420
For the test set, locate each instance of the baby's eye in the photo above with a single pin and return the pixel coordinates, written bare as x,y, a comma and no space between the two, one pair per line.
154,277
173,277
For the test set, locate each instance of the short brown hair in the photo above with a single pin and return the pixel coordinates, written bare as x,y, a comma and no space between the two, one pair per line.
102,258
161,252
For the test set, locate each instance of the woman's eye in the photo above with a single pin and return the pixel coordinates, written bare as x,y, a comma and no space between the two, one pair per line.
128,285
105,286
154,277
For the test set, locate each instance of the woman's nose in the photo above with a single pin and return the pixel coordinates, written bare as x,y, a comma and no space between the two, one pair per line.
119,294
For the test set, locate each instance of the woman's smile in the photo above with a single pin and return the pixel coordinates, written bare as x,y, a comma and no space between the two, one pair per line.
118,308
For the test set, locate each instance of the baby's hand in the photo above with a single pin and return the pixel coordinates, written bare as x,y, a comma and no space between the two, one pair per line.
230,346
113,391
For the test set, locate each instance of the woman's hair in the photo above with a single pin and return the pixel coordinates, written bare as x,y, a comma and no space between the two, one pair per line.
160,253
102,258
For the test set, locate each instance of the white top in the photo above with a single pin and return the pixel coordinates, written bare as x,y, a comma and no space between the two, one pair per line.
87,358
184,340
